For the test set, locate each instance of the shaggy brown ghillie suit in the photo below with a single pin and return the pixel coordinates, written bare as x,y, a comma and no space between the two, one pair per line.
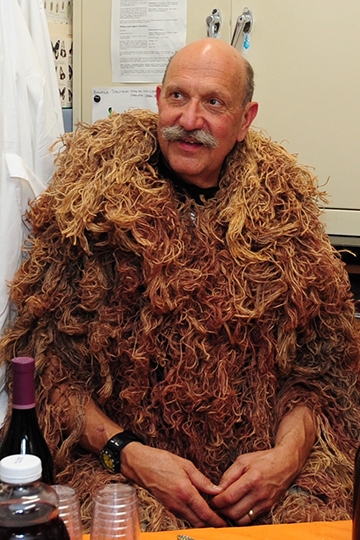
196,326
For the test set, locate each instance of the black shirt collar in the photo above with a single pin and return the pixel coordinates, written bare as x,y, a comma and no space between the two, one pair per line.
193,191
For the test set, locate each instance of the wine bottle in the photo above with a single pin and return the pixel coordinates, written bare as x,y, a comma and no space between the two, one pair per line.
29,509
24,435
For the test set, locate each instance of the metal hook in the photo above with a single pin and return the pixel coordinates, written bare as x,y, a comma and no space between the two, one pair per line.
213,22
243,25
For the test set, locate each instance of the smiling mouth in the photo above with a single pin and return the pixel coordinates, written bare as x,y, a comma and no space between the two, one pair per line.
189,146
190,141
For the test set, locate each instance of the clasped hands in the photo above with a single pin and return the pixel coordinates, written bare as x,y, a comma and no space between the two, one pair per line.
255,481
249,487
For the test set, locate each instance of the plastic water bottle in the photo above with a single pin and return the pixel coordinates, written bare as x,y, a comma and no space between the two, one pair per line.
28,507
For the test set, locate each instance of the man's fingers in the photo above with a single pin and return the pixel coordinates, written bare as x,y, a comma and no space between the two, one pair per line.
204,516
201,482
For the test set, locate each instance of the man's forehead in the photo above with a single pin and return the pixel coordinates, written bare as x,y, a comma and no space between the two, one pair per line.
199,67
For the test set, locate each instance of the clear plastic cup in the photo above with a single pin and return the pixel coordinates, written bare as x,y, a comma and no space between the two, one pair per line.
115,513
69,510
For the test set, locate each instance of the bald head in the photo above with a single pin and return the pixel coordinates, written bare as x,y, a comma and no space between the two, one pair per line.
210,50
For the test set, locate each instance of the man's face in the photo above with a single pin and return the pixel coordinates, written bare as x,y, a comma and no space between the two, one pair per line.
201,92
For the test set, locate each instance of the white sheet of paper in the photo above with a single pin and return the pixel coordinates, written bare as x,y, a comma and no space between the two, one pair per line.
107,100
144,35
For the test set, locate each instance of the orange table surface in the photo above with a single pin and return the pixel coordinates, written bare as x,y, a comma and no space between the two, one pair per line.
324,530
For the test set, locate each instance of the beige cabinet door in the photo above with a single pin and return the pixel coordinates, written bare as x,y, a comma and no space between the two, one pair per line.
306,57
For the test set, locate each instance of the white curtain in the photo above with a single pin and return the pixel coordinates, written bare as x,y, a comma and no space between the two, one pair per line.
31,121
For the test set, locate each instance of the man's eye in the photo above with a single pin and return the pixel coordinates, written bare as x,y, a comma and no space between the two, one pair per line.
215,102
176,95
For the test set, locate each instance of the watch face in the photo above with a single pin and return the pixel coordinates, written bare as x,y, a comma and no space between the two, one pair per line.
109,461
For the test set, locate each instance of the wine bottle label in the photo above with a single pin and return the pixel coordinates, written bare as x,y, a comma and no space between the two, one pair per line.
23,383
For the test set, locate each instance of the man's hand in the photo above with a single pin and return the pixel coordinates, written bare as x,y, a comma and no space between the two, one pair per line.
254,482
174,481
257,480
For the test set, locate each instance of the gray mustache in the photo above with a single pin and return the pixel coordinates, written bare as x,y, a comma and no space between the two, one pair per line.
177,133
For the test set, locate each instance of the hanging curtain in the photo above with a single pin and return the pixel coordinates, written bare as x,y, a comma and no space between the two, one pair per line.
31,121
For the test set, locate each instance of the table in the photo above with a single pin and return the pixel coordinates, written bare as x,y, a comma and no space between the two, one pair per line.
324,530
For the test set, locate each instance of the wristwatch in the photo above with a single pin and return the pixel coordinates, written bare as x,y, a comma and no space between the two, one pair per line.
110,454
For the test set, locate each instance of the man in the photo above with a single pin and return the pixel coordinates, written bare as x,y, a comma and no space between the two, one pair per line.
180,287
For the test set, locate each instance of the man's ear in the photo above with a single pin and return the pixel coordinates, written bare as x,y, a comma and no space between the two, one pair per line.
158,94
249,114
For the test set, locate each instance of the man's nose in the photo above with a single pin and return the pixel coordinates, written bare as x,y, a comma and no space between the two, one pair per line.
191,116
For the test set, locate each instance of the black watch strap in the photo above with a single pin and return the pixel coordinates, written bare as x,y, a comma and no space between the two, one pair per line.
110,454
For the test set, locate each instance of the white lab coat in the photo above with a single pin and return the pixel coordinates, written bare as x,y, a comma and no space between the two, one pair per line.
29,125
35,18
